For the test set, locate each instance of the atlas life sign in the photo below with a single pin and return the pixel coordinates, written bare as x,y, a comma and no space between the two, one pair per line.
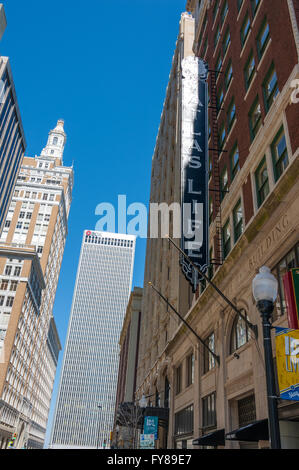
194,168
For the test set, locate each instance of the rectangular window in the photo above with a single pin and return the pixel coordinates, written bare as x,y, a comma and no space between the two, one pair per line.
215,9
261,182
224,11
7,223
217,36
246,410
210,210
228,75
239,4
223,183
231,114
4,284
190,369
254,6
205,47
13,286
222,136
226,41
209,411
255,118
220,98
209,360
263,38
245,28
210,166
178,379
270,87
183,421
8,270
238,220
17,271
249,70
1,300
9,301
218,63
279,154
234,161
289,261
226,238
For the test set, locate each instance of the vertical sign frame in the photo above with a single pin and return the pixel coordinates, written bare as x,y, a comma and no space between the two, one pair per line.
194,168
287,361
291,290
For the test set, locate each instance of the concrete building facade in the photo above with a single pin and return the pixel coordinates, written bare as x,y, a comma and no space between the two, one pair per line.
85,404
255,128
31,249
127,369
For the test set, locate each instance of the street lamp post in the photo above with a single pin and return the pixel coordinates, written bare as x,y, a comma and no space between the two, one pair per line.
264,289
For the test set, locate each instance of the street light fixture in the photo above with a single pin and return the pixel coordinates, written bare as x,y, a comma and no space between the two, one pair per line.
264,289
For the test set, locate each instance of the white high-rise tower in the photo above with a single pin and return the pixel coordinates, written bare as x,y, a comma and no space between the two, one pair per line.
87,392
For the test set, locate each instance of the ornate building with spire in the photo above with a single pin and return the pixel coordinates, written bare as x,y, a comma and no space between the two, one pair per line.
31,250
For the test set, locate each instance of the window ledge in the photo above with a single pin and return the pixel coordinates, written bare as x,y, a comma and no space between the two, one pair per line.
250,86
256,14
264,54
245,43
240,11
231,129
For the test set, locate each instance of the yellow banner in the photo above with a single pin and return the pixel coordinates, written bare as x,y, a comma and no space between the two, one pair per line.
287,361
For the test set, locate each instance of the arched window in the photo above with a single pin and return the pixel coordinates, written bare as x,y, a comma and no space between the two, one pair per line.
240,332
55,140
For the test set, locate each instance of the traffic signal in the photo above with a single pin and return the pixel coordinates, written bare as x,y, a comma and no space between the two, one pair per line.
14,436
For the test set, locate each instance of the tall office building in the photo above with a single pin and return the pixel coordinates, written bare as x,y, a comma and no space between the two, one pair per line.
12,138
31,249
87,392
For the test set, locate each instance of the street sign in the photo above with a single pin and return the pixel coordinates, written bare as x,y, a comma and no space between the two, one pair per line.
287,360
147,441
151,425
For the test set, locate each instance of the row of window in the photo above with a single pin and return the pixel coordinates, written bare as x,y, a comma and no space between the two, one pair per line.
6,301
240,335
108,241
34,195
10,271
189,363
234,225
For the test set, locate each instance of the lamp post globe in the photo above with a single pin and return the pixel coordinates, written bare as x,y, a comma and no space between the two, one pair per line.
264,290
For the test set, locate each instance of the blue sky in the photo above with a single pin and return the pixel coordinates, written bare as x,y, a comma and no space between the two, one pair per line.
103,67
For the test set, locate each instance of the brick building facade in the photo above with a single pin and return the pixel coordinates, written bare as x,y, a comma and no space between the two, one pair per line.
252,52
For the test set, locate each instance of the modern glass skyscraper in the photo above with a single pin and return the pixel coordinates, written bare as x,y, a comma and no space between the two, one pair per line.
87,391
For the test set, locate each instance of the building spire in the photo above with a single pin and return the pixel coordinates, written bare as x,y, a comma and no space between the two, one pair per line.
56,142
